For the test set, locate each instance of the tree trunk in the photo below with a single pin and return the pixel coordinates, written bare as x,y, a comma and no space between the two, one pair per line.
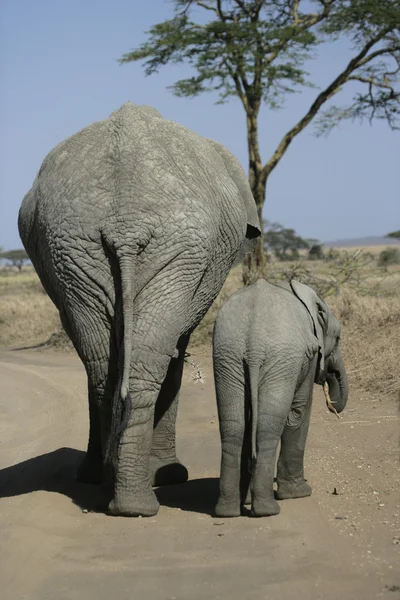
254,264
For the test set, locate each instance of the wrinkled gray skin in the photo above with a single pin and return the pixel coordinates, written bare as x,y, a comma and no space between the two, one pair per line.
270,344
133,225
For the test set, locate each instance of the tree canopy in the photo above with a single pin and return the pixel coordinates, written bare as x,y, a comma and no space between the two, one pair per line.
257,50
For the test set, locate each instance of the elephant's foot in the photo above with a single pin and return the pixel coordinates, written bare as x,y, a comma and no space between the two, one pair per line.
227,508
265,507
90,470
290,489
167,471
127,505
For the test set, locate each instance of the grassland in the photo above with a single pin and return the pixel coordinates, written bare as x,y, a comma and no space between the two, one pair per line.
364,297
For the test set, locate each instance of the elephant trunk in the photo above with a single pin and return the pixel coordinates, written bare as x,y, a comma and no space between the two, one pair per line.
336,377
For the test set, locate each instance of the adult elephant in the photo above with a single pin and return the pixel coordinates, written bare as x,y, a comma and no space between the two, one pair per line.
133,225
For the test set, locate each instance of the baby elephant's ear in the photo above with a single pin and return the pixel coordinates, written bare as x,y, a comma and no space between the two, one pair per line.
319,315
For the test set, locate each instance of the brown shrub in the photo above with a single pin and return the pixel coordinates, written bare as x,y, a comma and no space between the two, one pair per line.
370,341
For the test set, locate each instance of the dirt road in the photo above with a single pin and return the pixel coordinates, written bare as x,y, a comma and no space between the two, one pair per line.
333,545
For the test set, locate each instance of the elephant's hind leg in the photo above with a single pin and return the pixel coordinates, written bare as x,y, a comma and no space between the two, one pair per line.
290,472
91,337
165,468
231,411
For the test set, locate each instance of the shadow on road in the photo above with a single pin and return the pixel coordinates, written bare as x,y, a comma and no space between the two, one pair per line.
56,472
196,495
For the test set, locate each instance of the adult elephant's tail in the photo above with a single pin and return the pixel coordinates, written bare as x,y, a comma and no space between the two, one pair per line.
254,371
122,402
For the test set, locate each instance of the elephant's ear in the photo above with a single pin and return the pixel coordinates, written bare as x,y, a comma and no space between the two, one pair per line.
319,315
234,168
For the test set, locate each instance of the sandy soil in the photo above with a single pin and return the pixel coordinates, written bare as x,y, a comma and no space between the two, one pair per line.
341,543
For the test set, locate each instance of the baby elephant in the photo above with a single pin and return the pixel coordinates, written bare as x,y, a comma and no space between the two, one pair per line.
271,344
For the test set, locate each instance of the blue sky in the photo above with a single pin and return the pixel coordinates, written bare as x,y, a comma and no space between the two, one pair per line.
59,72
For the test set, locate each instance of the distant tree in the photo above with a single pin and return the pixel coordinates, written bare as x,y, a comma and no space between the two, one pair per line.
17,258
394,234
285,243
257,50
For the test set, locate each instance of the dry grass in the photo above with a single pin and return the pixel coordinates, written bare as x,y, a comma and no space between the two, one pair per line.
370,341
27,315
367,306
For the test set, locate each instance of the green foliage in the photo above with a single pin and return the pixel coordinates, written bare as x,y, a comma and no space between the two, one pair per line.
257,49
17,258
283,242
230,48
389,256
394,234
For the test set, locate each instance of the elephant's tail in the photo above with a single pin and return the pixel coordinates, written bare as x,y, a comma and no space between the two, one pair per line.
122,403
253,382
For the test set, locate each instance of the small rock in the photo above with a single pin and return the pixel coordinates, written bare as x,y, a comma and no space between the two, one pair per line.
222,523
220,534
85,510
340,517
381,505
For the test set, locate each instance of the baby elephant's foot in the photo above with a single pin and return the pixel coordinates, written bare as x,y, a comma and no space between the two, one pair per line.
167,471
265,507
227,508
291,489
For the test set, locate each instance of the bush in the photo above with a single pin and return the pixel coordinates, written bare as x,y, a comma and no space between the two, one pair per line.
389,256
316,252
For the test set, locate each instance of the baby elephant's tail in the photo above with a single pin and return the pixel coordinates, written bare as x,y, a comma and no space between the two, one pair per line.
254,371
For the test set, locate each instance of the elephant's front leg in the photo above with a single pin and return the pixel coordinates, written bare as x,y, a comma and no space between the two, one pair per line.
165,468
290,472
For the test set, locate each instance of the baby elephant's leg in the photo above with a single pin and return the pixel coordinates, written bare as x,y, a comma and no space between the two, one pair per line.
290,475
230,398
273,405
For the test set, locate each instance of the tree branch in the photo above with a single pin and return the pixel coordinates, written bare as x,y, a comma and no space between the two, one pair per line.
296,12
325,95
203,5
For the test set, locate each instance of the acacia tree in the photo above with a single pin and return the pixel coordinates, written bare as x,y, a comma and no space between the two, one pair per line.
257,50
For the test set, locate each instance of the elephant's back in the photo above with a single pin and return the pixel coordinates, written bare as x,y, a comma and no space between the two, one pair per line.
132,166
264,320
